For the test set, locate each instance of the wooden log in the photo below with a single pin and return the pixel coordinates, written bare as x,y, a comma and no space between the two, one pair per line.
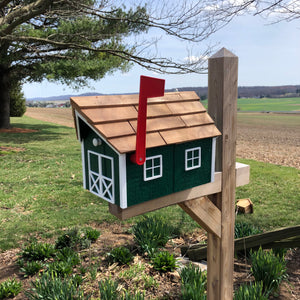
288,237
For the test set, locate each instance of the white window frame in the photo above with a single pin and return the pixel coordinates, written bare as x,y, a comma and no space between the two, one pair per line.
193,158
153,167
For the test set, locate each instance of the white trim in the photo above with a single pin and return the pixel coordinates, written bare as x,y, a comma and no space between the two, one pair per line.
83,165
123,181
160,166
213,159
193,158
99,184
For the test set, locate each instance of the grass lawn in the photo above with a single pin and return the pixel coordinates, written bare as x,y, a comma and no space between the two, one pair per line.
41,188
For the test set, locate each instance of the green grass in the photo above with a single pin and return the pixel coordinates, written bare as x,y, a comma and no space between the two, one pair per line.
266,104
41,188
269,104
274,191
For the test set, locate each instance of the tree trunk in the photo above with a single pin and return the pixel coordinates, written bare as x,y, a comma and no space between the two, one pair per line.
4,99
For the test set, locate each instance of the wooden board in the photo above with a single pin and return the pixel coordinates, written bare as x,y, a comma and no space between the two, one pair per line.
205,213
196,119
186,107
287,237
127,143
116,129
105,115
158,124
189,134
157,110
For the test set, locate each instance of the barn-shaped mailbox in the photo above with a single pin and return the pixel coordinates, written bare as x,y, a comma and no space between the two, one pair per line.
180,146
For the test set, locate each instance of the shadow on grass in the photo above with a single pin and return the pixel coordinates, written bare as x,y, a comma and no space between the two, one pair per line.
43,132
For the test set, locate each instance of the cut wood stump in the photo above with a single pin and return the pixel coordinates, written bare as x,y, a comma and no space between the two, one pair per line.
244,206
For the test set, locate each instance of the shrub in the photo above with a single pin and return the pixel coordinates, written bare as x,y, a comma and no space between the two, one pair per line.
243,229
60,268
74,238
151,233
69,256
194,283
120,255
164,261
31,268
92,234
108,289
17,101
10,288
38,251
269,269
51,287
250,292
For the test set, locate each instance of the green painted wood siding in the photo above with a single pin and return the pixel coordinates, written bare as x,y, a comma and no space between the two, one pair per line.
105,150
187,179
174,176
138,190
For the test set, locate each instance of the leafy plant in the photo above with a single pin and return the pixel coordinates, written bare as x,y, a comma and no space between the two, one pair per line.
164,261
151,233
69,256
31,268
120,255
93,272
10,288
74,238
269,269
133,296
250,292
243,229
149,281
38,251
50,287
133,271
194,283
92,234
60,268
108,289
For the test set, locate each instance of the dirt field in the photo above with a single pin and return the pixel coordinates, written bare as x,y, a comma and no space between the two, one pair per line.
278,144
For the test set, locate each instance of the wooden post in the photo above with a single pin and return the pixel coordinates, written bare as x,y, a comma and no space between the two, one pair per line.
222,107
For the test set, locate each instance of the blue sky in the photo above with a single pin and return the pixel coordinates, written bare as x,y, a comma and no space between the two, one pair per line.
268,55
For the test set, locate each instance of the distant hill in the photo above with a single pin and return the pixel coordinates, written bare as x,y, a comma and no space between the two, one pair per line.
254,91
243,92
61,97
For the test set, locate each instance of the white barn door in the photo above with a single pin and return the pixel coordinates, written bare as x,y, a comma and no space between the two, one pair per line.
101,175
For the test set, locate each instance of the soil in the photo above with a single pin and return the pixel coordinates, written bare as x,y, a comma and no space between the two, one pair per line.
274,145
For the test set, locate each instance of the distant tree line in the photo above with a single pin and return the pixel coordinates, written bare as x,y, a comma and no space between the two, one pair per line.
254,91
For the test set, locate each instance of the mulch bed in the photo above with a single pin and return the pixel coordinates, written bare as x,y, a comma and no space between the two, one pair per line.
17,130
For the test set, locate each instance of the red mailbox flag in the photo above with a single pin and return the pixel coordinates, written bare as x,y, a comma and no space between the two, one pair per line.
149,87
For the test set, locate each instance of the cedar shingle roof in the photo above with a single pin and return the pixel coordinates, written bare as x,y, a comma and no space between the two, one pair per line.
174,118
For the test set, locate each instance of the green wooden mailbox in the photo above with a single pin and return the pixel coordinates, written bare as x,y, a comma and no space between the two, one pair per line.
180,146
